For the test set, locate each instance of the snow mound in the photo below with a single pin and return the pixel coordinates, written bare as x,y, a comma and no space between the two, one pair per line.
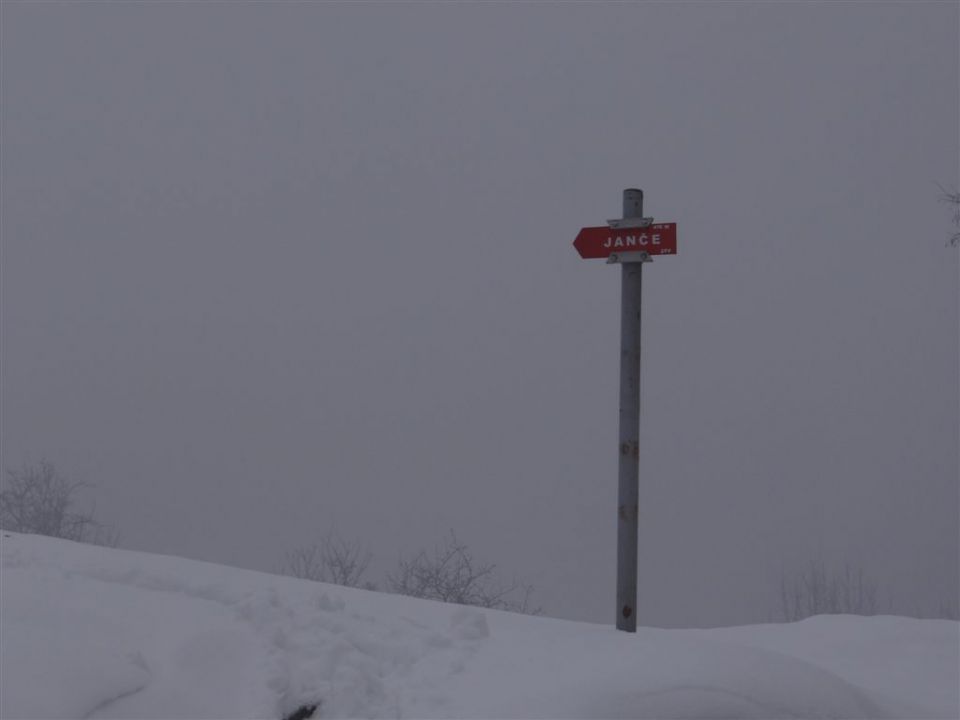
90,632
75,649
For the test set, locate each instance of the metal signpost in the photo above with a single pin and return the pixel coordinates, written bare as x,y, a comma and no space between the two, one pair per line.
629,241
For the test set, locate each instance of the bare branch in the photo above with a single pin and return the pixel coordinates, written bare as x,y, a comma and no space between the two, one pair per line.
332,560
305,563
952,198
38,499
452,575
817,592
344,562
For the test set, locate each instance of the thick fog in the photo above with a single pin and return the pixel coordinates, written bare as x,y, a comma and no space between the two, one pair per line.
274,270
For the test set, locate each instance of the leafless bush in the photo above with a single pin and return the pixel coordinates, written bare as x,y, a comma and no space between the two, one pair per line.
952,198
333,560
817,592
304,563
948,610
38,499
450,574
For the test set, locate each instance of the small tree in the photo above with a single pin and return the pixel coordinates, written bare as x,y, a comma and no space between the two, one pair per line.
38,499
817,592
450,574
332,560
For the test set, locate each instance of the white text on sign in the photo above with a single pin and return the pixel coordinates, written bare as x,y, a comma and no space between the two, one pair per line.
642,240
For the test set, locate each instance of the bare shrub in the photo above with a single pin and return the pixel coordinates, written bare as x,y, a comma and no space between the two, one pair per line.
304,563
38,499
450,574
817,592
333,560
953,199
948,610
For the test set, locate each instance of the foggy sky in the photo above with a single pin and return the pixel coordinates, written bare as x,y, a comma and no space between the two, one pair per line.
273,269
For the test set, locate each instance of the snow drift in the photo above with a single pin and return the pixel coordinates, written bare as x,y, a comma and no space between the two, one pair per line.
89,632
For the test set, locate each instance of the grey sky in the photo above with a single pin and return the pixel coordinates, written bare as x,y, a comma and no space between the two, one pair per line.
271,269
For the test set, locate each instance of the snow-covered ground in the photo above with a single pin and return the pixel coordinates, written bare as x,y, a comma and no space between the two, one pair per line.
89,632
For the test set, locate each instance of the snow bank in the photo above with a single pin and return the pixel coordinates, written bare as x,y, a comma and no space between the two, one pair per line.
99,633
72,648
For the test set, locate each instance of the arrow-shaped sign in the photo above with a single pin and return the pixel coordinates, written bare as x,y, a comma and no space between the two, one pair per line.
601,242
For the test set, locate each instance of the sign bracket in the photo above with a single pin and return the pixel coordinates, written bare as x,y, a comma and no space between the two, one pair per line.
629,257
629,222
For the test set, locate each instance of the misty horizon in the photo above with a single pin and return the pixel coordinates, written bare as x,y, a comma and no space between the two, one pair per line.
275,271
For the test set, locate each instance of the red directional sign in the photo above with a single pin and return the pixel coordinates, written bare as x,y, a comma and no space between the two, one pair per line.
601,242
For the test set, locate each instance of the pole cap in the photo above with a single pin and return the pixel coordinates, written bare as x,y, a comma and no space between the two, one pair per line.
633,203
